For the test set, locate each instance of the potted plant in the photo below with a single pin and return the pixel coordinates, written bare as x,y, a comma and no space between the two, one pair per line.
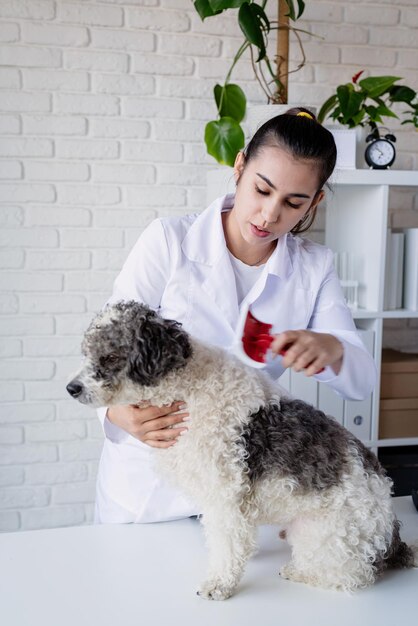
224,137
364,104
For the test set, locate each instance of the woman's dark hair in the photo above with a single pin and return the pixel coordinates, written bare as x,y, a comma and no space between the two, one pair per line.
304,138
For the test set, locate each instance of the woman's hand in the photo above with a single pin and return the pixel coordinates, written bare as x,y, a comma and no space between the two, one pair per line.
152,425
309,351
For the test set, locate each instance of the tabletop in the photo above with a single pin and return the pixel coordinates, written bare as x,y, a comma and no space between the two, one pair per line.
147,574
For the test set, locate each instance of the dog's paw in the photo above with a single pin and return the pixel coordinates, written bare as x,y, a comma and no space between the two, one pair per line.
215,590
290,573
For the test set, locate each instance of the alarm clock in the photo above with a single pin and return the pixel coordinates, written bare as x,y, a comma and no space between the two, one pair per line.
380,153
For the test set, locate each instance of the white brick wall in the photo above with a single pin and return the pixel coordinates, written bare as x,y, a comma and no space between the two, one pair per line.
102,110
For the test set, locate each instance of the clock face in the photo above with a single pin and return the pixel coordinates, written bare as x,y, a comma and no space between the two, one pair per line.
380,153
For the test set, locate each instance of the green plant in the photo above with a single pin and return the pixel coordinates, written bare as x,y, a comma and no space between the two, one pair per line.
368,101
224,137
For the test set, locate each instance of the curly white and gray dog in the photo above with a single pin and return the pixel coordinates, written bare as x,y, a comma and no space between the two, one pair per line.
251,456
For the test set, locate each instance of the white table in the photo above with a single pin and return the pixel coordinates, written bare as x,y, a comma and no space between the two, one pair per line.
146,575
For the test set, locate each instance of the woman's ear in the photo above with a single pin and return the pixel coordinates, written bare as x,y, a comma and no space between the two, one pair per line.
319,196
239,166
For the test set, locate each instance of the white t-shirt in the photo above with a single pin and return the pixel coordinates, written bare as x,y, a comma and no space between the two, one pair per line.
245,276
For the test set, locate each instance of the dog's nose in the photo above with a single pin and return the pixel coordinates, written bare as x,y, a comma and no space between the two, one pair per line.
74,388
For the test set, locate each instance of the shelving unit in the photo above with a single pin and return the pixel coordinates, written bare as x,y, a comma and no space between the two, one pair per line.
356,221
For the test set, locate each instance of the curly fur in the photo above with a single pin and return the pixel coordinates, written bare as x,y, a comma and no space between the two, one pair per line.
250,456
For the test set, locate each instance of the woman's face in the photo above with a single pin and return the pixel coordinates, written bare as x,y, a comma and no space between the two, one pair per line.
274,192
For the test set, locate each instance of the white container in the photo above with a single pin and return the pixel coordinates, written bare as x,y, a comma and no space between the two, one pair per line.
346,142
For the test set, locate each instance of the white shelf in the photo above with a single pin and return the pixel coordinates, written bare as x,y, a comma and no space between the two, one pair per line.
359,314
404,178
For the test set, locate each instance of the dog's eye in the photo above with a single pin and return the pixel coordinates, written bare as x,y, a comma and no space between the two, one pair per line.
111,358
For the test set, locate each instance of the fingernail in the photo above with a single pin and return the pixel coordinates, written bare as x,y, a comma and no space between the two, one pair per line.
182,406
186,419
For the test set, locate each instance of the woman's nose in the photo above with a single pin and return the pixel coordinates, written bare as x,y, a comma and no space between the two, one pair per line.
271,215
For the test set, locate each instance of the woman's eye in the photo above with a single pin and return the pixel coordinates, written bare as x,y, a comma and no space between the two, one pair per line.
294,206
263,193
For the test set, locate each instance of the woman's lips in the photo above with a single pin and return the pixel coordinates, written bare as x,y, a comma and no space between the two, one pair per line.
258,232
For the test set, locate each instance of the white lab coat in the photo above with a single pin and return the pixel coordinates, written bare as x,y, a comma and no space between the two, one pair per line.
181,267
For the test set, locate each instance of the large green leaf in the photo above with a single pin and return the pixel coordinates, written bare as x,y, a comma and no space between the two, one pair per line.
292,10
221,5
350,101
224,139
254,22
377,85
327,107
231,101
204,9
402,94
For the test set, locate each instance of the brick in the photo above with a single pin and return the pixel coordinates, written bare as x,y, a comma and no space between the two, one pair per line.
197,153
375,57
13,101
91,195
11,455
11,435
162,65
9,32
54,34
46,390
55,473
184,130
124,85
26,412
52,517
74,493
122,40
11,392
95,430
27,193
54,125
120,128
68,367
59,216
59,260
123,173
54,170
27,281
88,104
8,303
55,80
52,304
153,151
106,238
12,258
10,170
95,301
55,431
158,20
357,14
81,451
10,347
219,25
153,108
9,125
409,17
181,175
25,56
322,12
51,346
22,497
340,33
11,216
27,9
185,87
93,15
69,410
386,37
9,78
26,370
87,149
29,237
321,53
11,476
77,324
26,326
138,219
155,197
192,45
88,282
9,521
105,61
144,3
408,58
108,259
201,110
26,147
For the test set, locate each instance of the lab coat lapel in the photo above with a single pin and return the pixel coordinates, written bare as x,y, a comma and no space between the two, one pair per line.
205,245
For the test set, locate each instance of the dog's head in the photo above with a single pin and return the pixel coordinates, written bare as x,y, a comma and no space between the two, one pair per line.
127,346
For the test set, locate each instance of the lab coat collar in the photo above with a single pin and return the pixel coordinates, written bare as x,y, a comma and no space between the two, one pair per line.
205,240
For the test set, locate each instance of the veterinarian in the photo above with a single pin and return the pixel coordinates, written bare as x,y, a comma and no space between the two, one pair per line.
199,269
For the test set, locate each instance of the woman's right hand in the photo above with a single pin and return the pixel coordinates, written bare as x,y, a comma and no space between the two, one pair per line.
158,427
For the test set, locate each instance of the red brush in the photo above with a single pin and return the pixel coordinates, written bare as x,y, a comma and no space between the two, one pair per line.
253,341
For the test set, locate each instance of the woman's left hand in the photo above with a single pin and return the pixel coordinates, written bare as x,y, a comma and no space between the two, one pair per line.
309,351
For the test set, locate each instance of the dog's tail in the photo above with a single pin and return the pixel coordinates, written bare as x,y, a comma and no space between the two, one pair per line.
399,554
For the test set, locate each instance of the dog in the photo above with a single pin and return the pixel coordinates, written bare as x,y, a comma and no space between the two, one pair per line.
251,455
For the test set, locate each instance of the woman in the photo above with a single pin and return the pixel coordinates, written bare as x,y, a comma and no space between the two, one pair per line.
199,269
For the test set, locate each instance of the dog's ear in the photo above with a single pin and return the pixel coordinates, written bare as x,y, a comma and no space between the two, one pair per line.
159,346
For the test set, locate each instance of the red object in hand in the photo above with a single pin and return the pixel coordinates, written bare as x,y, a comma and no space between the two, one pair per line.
256,339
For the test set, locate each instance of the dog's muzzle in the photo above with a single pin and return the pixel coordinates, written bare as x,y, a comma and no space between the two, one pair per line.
75,389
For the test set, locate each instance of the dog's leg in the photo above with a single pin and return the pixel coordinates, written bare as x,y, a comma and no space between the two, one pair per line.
231,540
